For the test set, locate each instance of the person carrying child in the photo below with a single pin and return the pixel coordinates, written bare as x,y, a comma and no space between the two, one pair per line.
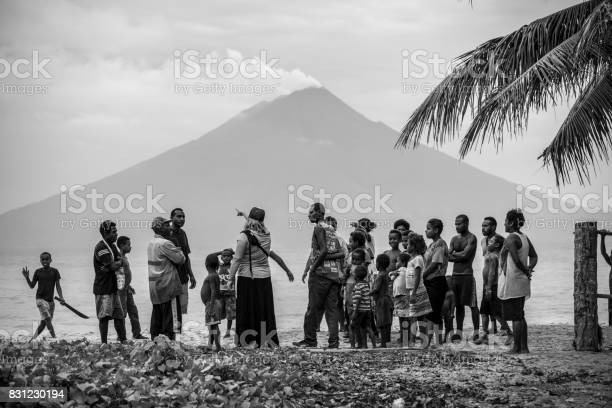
211,297
47,279
107,262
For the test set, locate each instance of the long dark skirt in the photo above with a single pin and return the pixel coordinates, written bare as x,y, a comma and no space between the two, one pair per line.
436,290
255,319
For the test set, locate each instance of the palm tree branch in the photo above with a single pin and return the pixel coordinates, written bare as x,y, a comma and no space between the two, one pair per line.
490,65
585,137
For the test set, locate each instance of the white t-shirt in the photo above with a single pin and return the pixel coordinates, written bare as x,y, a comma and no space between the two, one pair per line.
399,283
416,262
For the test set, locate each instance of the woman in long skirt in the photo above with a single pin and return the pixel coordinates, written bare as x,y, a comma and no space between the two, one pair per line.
255,318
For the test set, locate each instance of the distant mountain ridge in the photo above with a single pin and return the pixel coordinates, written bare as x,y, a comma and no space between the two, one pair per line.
307,138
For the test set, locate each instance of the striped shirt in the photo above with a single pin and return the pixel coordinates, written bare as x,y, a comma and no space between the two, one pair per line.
361,294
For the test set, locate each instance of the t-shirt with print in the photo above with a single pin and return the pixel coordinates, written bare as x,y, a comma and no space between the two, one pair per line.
46,279
105,281
224,280
361,293
437,252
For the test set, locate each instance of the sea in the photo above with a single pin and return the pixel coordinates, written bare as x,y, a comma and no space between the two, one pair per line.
551,301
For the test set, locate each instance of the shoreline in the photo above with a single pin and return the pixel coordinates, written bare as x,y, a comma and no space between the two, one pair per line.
146,373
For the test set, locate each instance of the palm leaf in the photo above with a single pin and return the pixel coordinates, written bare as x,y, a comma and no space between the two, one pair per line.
559,74
490,66
565,71
585,137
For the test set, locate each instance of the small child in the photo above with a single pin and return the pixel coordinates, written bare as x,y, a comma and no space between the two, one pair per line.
395,238
210,297
48,280
356,259
361,315
405,235
126,295
418,300
400,296
382,300
227,293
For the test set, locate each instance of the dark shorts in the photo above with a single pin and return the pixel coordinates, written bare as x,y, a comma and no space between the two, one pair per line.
212,313
228,307
492,306
109,306
464,287
513,309
362,320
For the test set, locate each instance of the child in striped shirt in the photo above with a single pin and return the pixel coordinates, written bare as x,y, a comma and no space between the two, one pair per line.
362,310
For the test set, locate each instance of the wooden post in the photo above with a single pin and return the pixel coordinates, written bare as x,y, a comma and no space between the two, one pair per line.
586,327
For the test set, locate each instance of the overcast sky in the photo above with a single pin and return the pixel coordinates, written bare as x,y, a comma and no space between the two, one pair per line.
111,99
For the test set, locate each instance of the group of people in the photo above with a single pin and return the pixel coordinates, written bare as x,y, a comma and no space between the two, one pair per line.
359,292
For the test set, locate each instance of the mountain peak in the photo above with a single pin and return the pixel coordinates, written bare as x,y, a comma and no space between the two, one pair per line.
308,104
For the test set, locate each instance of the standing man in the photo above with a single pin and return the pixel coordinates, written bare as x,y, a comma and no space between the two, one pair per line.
324,281
462,251
107,261
164,282
179,238
490,307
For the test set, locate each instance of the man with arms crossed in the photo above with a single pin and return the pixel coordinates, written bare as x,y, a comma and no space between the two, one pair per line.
462,250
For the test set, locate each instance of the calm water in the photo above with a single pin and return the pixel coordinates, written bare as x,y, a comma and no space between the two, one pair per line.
551,301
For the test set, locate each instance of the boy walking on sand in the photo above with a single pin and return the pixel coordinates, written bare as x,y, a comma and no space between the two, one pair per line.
47,279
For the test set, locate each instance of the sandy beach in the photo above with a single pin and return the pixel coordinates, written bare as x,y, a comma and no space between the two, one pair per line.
145,373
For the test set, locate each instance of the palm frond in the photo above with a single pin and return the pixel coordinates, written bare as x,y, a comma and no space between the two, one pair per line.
491,66
585,138
560,73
